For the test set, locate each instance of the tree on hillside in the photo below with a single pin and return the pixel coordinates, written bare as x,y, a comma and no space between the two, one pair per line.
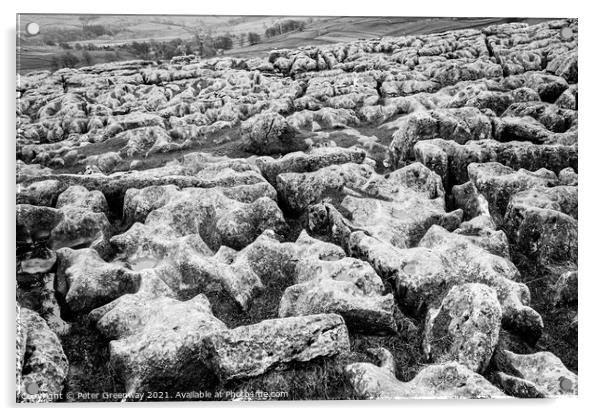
68,60
141,49
254,38
285,26
222,42
96,30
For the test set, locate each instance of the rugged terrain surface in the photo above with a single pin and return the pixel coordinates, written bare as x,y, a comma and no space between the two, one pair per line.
377,219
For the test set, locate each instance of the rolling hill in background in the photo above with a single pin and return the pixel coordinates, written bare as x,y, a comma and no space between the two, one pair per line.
344,29
38,52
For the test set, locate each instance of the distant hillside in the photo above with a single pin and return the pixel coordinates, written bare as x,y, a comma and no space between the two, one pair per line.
345,29
79,40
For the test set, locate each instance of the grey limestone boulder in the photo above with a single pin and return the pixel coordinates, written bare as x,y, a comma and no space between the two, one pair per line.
465,327
85,281
42,366
447,380
540,374
252,350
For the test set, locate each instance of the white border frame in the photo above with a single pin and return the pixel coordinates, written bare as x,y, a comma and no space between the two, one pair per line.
589,172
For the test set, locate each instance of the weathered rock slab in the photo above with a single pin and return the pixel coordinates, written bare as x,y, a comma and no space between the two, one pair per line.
252,350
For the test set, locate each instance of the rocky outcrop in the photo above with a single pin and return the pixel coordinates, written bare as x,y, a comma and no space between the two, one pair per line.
542,224
552,117
497,183
565,66
362,308
84,222
85,281
460,125
191,268
41,363
465,328
472,263
35,223
518,47
142,141
539,374
208,213
299,190
450,160
36,288
568,176
269,133
156,339
253,224
310,161
470,201
568,99
448,380
78,196
398,208
422,275
42,193
200,170
252,350
323,280
81,228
